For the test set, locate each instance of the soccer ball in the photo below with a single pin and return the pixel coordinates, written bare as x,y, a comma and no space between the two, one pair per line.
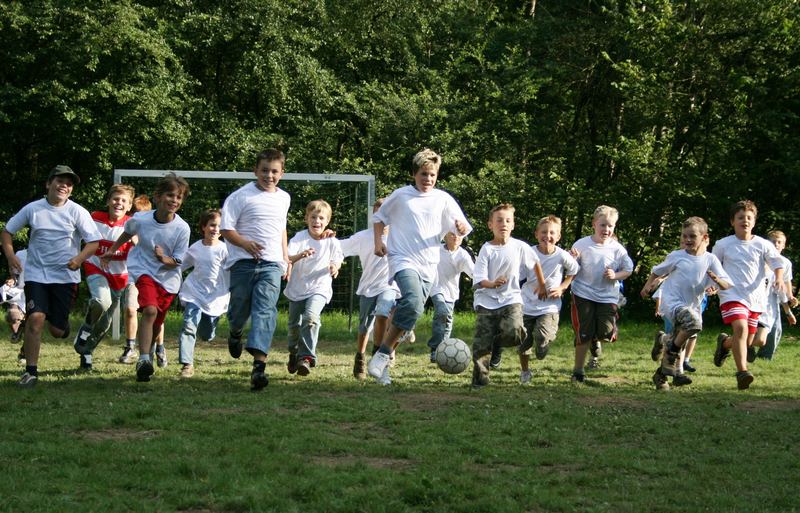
453,356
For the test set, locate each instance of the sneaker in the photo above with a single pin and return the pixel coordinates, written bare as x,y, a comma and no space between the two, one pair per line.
359,367
669,363
578,377
480,375
720,354
681,379
658,346
235,345
743,380
86,363
659,380
129,355
187,370
304,366
83,343
541,351
144,369
596,348
377,364
385,379
525,377
392,359
751,354
594,363
407,337
433,355
161,356
15,336
27,381
687,366
291,365
258,380
497,357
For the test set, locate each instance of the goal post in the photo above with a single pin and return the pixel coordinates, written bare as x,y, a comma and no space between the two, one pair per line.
351,197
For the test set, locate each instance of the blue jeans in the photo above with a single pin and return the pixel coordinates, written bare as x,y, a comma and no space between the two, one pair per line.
304,323
195,324
375,306
255,286
442,321
413,294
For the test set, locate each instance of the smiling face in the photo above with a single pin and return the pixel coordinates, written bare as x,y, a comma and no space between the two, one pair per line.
59,189
268,174
780,242
118,205
452,241
211,230
501,222
548,235
693,240
167,203
425,178
317,221
603,228
743,222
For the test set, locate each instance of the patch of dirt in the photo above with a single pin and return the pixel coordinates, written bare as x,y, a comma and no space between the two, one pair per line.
613,380
223,411
118,435
612,401
427,401
376,463
767,405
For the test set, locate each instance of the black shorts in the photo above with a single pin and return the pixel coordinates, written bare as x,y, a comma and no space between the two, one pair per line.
54,300
593,321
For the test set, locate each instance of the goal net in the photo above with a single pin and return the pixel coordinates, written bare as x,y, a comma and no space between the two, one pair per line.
350,196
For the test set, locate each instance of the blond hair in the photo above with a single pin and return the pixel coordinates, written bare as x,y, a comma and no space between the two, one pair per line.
551,219
605,211
426,157
502,206
119,188
319,206
774,234
697,222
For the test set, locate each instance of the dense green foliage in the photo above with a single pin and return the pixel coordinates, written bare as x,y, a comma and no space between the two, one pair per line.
661,108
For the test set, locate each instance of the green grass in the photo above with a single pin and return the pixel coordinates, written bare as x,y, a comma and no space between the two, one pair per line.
102,442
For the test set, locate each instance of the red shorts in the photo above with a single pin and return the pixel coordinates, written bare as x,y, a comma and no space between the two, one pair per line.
733,311
151,293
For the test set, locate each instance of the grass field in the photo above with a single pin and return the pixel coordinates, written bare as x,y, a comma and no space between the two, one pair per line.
326,443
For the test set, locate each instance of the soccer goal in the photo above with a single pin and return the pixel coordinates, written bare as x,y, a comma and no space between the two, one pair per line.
350,196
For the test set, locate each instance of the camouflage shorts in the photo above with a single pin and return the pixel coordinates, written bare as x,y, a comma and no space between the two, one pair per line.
502,326
542,330
687,319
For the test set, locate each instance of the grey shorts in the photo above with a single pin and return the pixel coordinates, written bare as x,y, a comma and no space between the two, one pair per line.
542,330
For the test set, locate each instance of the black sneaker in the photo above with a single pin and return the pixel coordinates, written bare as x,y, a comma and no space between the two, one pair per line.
680,380
235,345
541,351
743,380
751,354
720,354
659,380
578,377
291,364
304,366
433,355
86,364
144,369
497,357
687,366
27,380
658,346
480,374
596,348
258,380
161,356
128,356
594,363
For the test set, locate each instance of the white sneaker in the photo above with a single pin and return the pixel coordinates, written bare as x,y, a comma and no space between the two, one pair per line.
408,336
525,377
377,364
385,379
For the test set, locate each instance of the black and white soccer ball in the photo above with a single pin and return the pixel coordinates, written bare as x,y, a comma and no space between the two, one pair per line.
453,356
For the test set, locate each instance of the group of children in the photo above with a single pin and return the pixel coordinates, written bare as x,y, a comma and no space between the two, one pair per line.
517,287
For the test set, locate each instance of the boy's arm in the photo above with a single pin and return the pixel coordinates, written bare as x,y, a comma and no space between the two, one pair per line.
779,285
380,247
168,261
285,249
541,290
649,286
722,284
299,256
14,265
251,246
789,314
105,258
89,249
559,291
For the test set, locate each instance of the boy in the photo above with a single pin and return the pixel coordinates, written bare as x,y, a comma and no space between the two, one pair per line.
770,329
105,286
419,215
693,272
13,297
595,290
254,228
453,260
498,298
540,316
52,270
316,260
744,257
154,264
376,294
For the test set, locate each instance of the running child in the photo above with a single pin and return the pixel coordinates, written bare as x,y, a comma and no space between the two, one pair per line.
52,268
204,294
316,261
420,215
154,264
770,328
498,297
595,290
540,316
254,228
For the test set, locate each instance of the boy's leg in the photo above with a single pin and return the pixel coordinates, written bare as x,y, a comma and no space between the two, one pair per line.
583,314
263,314
294,321
207,328
487,325
99,317
773,339
242,276
442,324
526,348
309,332
605,318
188,336
34,325
130,301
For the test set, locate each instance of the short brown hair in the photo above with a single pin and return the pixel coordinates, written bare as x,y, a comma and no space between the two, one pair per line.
502,206
271,154
119,188
172,182
208,215
699,222
743,205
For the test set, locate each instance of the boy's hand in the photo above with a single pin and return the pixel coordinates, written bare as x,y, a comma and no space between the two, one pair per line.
791,318
793,302
575,253
645,292
610,274
252,247
500,281
461,228
288,274
327,233
159,253
555,293
380,249
73,264
779,286
712,291
333,269
14,265
306,253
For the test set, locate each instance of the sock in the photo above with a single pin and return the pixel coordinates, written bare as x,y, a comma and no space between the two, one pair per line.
33,370
87,358
130,342
259,366
385,350
375,350
145,357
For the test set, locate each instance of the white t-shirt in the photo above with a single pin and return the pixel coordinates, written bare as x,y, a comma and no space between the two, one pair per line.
688,280
555,267
173,237
310,275
55,238
448,272
594,259
374,269
259,216
207,285
418,222
511,260
16,295
745,261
